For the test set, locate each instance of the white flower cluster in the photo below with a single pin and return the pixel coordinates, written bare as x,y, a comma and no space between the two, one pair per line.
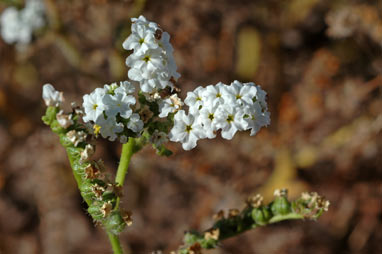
17,26
152,63
237,107
109,108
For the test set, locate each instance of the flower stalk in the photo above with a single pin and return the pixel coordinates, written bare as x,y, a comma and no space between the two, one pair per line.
255,214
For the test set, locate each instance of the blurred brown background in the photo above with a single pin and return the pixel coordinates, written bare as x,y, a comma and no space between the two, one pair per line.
319,61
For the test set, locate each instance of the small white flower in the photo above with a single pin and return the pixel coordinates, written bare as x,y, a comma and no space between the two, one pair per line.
195,100
149,62
93,105
170,105
256,118
140,40
125,87
109,127
142,21
135,123
118,103
240,93
213,95
209,117
230,121
51,97
186,130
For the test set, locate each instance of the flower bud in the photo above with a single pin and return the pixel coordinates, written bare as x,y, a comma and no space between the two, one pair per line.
115,223
281,206
95,210
261,215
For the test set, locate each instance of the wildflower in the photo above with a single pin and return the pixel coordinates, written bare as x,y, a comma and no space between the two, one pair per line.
135,123
93,105
240,93
195,100
109,128
118,103
186,130
231,120
52,98
170,105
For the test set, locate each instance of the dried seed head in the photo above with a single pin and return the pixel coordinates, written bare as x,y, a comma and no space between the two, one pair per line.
281,193
196,248
87,153
127,217
322,203
106,209
117,190
212,234
98,190
91,172
176,101
146,114
233,213
158,34
255,201
65,121
76,137
219,215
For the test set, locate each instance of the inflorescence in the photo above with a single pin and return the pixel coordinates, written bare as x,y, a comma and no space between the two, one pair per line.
113,111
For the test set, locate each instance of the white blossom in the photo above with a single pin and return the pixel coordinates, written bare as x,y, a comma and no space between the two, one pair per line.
170,105
140,40
109,127
93,105
51,97
240,93
186,130
213,95
231,120
135,123
195,99
118,103
209,117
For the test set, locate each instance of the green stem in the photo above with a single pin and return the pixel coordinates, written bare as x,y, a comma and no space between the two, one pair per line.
127,152
290,216
115,244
